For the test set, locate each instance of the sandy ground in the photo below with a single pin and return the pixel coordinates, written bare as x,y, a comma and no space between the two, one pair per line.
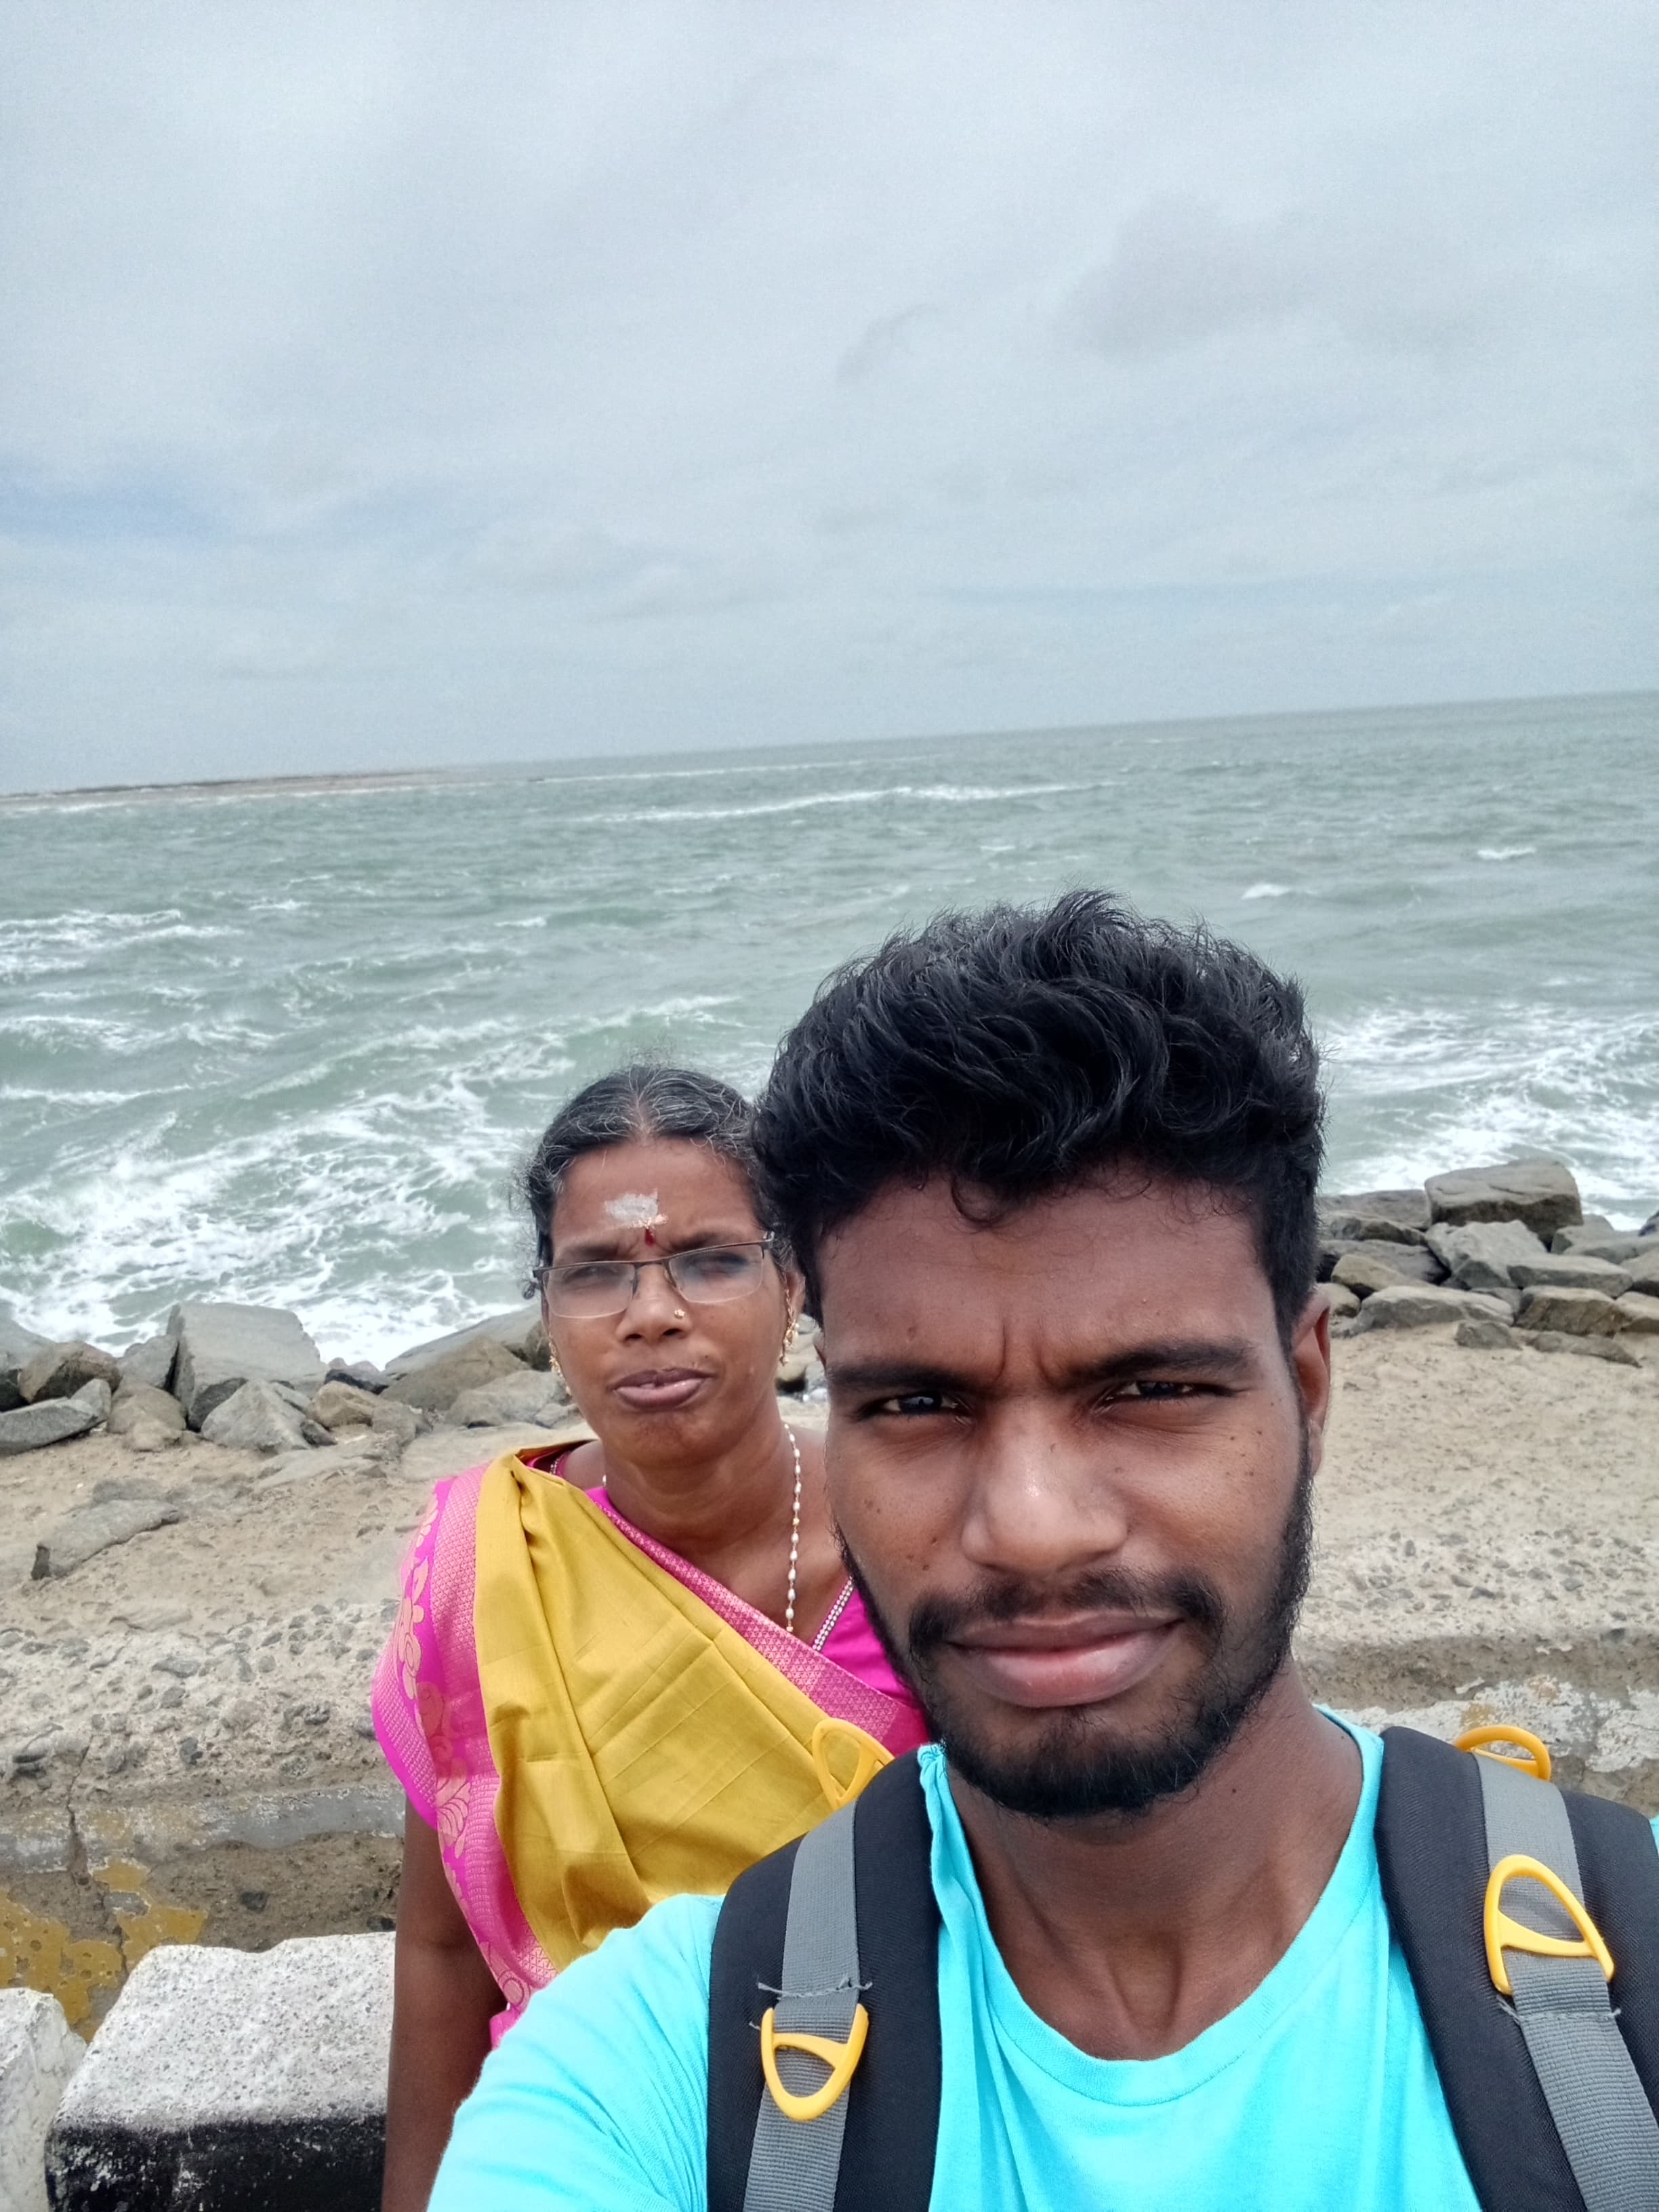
185,1745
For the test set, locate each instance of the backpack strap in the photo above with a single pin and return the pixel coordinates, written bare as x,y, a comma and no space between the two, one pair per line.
881,1953
1545,2090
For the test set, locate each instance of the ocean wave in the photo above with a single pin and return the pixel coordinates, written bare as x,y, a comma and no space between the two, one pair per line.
1266,891
1504,851
1418,1090
945,794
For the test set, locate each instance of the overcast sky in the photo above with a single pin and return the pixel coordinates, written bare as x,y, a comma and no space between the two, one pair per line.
389,385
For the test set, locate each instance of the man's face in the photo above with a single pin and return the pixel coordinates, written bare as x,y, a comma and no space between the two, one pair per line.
1069,1460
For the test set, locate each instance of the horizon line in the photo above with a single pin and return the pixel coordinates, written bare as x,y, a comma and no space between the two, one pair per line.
323,778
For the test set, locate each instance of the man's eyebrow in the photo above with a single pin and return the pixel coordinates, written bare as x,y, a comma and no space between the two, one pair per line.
1223,1358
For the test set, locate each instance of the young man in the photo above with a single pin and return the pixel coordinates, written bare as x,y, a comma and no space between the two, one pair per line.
1051,1179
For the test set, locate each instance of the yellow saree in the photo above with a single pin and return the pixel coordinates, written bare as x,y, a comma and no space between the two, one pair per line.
645,1747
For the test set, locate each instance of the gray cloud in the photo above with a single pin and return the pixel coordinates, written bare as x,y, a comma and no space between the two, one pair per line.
409,381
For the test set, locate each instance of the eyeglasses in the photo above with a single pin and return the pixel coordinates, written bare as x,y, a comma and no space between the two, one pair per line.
709,1275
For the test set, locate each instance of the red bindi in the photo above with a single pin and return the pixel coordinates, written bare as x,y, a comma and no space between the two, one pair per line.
650,1235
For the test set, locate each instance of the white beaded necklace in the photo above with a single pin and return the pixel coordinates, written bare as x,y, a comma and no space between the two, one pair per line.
794,1538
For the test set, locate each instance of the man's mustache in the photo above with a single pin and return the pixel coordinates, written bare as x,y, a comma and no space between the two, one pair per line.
939,1620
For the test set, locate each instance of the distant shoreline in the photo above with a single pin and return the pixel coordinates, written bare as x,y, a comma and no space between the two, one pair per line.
323,780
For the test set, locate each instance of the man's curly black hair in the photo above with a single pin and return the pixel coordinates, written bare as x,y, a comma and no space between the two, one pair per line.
1021,1051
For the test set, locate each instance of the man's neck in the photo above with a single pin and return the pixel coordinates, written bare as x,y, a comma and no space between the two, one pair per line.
1133,1935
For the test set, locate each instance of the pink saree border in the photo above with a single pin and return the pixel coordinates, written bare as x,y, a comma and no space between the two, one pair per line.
429,1712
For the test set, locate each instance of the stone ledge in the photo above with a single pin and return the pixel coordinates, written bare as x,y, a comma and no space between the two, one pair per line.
233,2081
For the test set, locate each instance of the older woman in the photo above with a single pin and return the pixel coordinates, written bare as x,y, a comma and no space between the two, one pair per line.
633,1667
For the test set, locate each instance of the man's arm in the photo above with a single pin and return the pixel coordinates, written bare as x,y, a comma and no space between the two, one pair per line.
596,2100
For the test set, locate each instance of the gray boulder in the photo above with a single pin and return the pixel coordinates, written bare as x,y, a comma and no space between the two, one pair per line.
402,1423
1571,1271
1426,1305
1638,1314
1650,1226
137,1401
1480,1255
1343,1302
1569,1313
1643,1271
435,1384
225,2078
54,1421
60,1370
117,1513
1583,1232
149,1435
1540,1191
520,1332
96,1396
39,2053
1364,1274
525,1396
340,1405
1619,1248
18,1345
1398,1216
362,1374
255,1418
1588,1347
150,1362
221,1348
1486,1336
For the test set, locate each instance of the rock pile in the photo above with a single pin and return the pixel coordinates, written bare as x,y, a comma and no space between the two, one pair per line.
249,1378
1503,1254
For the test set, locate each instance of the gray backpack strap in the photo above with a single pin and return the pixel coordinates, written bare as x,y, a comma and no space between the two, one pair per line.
796,2161
1605,2121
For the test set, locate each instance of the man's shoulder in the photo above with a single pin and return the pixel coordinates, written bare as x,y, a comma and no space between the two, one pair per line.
610,2062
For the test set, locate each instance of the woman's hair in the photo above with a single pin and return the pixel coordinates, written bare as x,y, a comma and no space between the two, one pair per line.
626,1107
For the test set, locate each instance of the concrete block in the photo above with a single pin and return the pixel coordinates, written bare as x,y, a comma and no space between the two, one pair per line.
221,1348
234,2082
39,2053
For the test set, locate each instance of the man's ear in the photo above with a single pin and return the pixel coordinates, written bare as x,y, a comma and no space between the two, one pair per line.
1311,1365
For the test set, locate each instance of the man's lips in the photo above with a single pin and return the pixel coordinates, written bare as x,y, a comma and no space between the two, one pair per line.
1082,1661
659,1390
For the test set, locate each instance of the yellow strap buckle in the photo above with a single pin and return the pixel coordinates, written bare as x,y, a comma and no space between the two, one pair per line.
1536,1761
869,1757
842,2059
1504,1933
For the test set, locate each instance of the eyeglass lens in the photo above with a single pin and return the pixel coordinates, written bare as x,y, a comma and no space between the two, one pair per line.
710,1275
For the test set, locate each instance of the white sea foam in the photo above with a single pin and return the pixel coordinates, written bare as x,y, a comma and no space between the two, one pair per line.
1465,1085
944,795
1504,851
1267,891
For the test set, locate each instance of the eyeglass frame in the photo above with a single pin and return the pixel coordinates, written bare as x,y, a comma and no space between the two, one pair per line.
767,1246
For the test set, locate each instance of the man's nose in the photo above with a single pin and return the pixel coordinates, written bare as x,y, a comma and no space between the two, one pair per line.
1041,1500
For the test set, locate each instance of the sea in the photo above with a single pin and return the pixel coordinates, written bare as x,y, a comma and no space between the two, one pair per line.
289,1042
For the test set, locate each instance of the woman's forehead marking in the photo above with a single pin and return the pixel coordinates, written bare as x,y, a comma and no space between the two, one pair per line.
636,1209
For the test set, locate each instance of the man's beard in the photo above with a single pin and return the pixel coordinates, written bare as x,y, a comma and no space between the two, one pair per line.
1073,1769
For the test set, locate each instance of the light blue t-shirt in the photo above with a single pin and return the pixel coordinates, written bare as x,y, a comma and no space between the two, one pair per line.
1317,2092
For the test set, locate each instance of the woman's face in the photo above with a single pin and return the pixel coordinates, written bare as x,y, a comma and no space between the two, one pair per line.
670,1379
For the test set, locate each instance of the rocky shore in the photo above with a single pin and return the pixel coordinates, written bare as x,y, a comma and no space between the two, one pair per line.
200,1536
